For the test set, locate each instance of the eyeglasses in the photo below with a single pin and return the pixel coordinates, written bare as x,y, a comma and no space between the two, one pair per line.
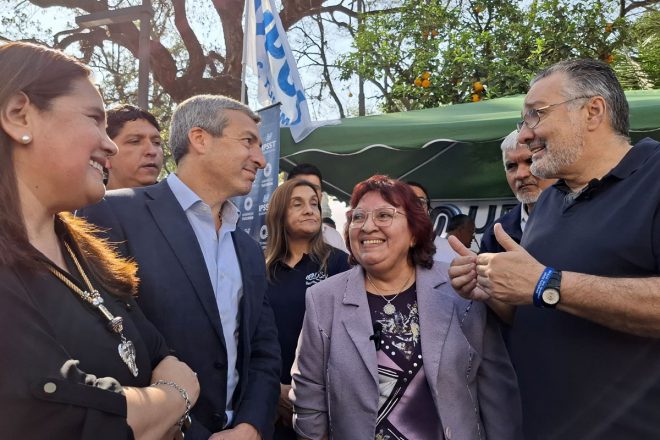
380,216
533,116
423,202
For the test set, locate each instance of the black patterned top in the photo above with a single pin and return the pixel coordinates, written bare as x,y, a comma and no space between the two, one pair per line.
406,409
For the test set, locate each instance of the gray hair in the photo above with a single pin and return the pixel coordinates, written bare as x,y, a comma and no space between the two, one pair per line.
593,78
509,143
203,111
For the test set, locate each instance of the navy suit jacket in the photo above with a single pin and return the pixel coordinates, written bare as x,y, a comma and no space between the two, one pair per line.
175,293
510,223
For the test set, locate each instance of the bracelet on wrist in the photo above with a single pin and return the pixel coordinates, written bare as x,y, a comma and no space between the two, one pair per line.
183,393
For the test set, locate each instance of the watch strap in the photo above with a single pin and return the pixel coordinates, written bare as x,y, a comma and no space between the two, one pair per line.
541,285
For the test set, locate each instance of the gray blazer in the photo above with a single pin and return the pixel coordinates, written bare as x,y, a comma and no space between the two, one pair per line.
335,379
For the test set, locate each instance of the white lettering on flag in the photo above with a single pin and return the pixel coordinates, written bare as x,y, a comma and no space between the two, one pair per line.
269,56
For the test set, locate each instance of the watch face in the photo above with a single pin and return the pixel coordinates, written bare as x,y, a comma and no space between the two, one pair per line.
550,296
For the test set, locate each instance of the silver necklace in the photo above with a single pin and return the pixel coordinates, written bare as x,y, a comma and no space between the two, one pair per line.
92,296
390,308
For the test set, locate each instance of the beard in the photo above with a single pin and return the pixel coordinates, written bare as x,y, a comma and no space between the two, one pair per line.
526,197
559,155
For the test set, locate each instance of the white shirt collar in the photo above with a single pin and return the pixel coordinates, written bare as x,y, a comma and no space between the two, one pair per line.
524,216
187,198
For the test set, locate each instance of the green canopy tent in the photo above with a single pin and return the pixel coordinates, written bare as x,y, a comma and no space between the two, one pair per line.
452,150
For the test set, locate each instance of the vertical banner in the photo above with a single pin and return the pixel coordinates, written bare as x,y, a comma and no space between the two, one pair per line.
267,52
254,205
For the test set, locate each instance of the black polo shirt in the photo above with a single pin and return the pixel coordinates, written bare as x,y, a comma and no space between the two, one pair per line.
286,293
578,379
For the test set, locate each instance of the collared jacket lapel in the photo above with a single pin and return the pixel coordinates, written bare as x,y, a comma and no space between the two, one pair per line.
176,230
356,318
435,317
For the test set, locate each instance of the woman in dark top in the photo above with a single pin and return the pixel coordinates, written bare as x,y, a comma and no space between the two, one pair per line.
296,258
77,356
388,350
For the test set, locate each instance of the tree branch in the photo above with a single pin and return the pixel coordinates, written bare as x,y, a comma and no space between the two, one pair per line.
231,14
196,60
624,10
294,10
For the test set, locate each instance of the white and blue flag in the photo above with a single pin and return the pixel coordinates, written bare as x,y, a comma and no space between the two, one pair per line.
268,54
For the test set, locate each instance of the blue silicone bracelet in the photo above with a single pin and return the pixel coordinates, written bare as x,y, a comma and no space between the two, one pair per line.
541,285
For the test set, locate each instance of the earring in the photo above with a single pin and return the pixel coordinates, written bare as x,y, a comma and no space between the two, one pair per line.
26,139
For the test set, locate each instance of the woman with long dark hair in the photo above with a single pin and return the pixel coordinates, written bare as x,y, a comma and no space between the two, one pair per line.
77,355
296,258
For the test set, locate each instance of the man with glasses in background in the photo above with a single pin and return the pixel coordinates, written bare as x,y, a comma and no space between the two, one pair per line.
422,195
585,339
461,225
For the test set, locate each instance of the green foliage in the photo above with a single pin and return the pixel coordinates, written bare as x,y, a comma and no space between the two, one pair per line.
641,63
497,44
395,48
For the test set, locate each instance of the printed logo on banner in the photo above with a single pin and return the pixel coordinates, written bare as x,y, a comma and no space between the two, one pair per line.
267,147
247,205
263,232
255,204
268,144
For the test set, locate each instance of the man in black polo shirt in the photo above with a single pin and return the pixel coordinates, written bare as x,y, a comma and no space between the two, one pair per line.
585,338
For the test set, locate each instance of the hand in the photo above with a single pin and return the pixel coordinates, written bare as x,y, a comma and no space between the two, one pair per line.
172,369
284,406
462,272
509,276
242,431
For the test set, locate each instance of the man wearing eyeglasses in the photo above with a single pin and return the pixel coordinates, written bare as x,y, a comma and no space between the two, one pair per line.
527,188
422,195
585,339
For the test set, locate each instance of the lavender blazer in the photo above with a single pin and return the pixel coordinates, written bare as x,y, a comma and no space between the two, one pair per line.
335,379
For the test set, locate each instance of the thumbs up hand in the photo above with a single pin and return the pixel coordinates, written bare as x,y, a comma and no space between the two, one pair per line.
509,276
462,272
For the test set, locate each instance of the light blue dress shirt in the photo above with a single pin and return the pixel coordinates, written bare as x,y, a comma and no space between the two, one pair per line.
222,266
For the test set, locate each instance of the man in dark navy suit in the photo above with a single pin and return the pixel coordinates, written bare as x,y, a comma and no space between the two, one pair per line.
202,280
526,187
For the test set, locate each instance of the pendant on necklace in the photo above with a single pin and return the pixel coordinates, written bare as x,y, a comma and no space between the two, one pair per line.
127,354
389,309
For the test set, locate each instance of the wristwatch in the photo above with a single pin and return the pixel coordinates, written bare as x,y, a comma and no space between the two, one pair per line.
551,293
